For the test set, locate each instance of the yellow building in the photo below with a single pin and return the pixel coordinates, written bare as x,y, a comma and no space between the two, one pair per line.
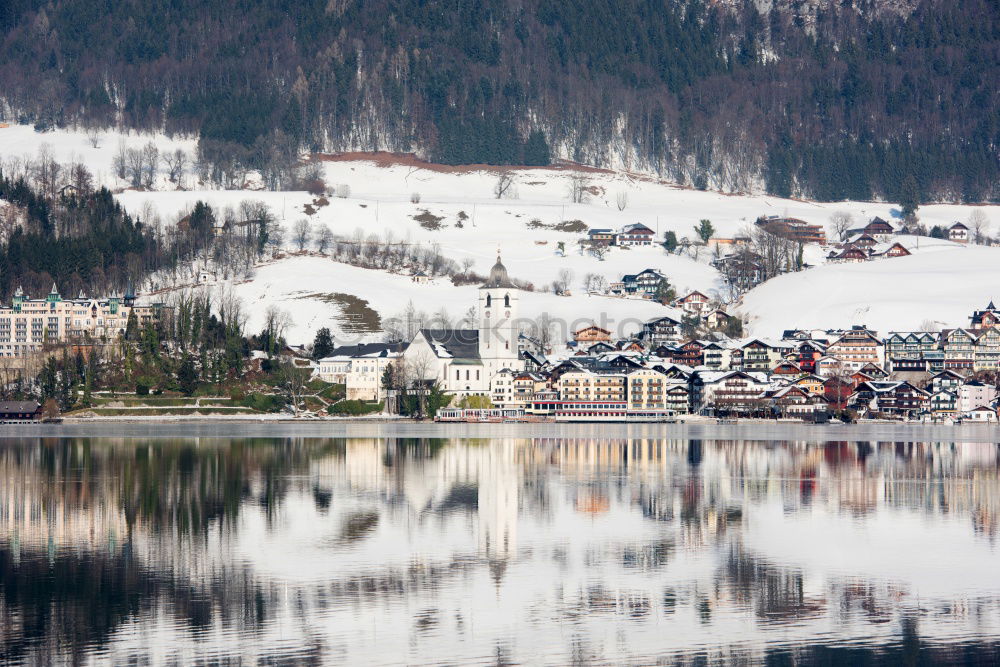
28,324
582,385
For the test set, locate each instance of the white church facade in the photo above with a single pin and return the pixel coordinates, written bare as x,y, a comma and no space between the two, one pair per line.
463,361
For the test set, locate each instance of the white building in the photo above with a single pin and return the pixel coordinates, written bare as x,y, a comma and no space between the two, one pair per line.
464,361
359,368
972,395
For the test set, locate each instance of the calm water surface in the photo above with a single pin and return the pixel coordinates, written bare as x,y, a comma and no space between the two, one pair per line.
502,549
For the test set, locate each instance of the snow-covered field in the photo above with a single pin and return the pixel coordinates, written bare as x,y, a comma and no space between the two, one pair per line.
943,286
936,283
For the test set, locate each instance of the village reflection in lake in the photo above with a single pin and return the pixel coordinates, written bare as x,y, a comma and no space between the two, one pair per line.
497,551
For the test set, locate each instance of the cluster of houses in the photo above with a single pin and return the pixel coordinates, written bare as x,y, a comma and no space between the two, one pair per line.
879,239
805,374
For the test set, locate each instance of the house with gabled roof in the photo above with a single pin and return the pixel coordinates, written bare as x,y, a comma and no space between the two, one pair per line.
889,251
592,334
795,401
693,302
958,233
811,383
943,403
731,392
850,254
890,399
601,236
945,381
636,234
645,283
983,413
663,329
879,229
985,318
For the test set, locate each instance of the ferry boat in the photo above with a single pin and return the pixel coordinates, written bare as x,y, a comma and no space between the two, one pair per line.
607,411
479,415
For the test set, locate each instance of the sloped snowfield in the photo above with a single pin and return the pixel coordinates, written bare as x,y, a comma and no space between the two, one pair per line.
942,286
473,225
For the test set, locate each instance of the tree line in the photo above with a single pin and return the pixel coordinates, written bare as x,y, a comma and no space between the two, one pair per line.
828,100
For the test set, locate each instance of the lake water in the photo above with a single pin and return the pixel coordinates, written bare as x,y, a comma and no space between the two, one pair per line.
530,544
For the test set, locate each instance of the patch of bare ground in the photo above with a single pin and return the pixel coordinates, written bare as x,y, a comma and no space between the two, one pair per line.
387,159
315,205
356,316
569,226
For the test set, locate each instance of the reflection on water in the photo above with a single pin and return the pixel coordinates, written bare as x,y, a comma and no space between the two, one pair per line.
497,551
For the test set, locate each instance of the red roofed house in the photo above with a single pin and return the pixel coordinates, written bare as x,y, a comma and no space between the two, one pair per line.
695,302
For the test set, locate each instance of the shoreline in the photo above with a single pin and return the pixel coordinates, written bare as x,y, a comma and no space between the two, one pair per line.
896,434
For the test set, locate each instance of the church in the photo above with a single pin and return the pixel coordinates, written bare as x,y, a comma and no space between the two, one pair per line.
464,361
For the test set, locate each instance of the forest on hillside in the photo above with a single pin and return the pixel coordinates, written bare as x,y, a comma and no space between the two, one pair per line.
832,100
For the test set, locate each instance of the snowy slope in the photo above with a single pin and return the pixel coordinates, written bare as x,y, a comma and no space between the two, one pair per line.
381,188
302,285
944,285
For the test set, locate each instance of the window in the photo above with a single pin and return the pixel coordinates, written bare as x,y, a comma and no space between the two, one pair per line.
506,301
489,300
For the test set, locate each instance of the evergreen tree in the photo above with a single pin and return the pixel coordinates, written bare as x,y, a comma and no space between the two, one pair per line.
536,150
670,241
322,344
910,197
704,230
665,293
187,376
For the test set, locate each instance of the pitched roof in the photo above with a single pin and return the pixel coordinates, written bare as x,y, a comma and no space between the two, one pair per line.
453,343
18,406
367,350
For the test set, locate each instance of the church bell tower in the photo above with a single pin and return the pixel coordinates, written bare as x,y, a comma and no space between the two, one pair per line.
498,332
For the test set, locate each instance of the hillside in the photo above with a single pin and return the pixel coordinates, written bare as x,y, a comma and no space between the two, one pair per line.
459,218
939,288
828,100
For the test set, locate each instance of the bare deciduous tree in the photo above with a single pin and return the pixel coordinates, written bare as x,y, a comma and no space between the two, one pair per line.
293,381
599,250
621,200
505,181
134,166
578,188
94,137
323,238
840,222
979,224
81,178
119,163
175,162
562,283
301,233
150,164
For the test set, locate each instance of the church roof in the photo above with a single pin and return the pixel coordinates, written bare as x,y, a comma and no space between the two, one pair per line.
367,350
453,343
498,277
